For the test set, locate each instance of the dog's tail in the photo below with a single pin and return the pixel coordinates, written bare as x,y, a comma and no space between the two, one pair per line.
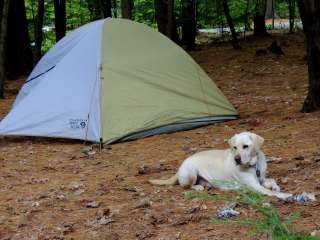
171,181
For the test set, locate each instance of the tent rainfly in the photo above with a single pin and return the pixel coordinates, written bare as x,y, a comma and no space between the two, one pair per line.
114,80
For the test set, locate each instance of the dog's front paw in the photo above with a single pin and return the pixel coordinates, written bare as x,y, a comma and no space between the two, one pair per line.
271,184
284,196
275,188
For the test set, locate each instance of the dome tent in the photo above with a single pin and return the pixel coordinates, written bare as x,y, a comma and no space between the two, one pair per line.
112,80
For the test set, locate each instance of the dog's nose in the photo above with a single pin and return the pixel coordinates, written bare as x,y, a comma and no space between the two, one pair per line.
237,158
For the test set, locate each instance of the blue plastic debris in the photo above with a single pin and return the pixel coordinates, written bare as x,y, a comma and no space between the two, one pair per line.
228,211
303,197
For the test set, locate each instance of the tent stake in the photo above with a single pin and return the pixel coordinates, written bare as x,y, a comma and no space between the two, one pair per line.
101,144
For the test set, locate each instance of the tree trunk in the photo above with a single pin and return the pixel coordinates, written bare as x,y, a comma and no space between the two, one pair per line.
292,7
171,22
60,18
126,8
19,57
270,10
161,15
246,25
188,24
170,15
3,34
38,30
106,8
258,21
310,16
235,42
164,11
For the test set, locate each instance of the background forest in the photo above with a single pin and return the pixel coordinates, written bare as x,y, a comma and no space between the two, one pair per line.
29,28
34,26
209,14
206,13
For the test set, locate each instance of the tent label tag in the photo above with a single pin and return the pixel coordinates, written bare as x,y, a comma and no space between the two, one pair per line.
77,123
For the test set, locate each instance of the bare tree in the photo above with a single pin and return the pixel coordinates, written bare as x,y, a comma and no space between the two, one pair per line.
106,6
60,18
3,35
258,21
310,16
270,10
188,23
235,42
246,25
161,11
126,8
100,9
166,19
38,30
19,56
171,24
292,10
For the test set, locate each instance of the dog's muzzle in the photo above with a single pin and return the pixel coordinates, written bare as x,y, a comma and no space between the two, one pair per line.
237,159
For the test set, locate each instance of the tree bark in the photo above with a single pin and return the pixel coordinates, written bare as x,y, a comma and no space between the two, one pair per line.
171,22
19,57
161,15
106,8
164,11
246,25
3,35
258,21
292,7
235,42
270,10
60,18
126,8
188,24
38,30
310,16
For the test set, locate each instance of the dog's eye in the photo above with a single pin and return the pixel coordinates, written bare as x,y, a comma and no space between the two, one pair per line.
235,148
245,146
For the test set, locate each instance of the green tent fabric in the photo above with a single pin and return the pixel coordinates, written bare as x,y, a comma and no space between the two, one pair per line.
136,83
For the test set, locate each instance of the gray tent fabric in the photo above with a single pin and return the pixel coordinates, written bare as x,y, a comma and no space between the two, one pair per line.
174,127
114,80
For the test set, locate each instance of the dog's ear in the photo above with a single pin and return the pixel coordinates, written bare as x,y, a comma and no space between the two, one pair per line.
257,140
231,141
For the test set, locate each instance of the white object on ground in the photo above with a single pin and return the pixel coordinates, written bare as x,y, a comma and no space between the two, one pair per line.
228,211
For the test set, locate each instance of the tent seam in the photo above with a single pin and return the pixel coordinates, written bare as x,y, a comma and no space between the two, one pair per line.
100,79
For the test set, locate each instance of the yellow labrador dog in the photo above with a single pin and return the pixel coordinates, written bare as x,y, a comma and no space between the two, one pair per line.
242,163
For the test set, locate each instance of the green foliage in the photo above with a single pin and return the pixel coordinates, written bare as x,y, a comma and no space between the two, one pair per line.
269,220
78,13
144,12
209,14
249,197
203,195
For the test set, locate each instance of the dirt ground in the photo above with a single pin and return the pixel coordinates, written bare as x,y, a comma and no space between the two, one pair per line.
49,189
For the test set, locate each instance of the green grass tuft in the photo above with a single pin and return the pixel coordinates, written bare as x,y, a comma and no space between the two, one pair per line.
269,221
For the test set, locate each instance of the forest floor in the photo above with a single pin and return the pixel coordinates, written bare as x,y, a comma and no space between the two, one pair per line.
49,189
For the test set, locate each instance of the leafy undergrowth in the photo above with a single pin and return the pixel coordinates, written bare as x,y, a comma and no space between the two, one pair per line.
269,220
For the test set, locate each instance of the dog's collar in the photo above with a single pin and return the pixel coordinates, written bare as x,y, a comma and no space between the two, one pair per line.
258,172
